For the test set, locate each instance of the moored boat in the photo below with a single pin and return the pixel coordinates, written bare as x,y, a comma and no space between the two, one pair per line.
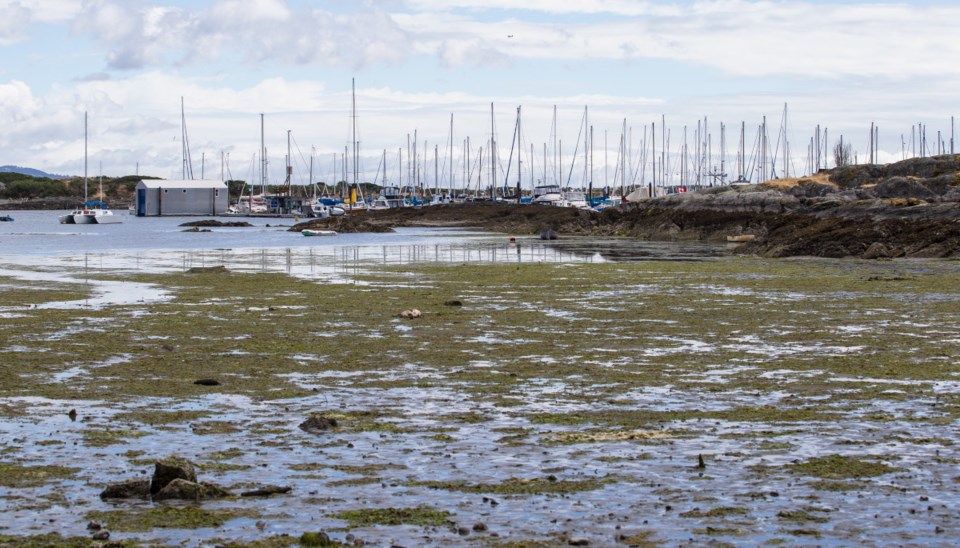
312,232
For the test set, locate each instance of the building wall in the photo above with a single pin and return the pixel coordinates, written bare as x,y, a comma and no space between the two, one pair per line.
182,201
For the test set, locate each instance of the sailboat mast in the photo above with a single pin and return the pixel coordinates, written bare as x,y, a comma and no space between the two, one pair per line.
493,155
263,159
353,115
519,153
450,182
84,157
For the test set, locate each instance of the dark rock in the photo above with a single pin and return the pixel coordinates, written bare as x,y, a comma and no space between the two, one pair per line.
812,189
207,382
479,527
94,526
180,489
267,491
463,531
453,303
700,463
169,469
317,424
103,534
902,187
133,489
72,414
214,491
215,223
578,541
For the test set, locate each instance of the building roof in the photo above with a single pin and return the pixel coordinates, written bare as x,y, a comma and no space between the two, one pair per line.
161,183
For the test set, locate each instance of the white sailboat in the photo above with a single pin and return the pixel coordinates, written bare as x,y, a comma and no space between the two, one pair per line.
95,212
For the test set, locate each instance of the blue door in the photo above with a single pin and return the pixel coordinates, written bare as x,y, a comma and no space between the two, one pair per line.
141,202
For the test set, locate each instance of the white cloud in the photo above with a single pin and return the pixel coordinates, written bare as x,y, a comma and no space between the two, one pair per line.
14,18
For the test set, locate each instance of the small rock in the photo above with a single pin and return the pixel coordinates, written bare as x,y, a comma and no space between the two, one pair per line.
453,303
700,463
578,541
266,491
412,313
102,534
207,382
94,526
479,527
168,347
261,525
72,414
316,424
463,531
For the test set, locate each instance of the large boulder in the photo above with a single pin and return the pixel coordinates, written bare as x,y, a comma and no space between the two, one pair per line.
169,469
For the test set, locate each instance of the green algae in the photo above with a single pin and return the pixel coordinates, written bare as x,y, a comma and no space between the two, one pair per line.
425,516
190,517
17,476
841,467
55,540
518,486
601,333
718,512
800,516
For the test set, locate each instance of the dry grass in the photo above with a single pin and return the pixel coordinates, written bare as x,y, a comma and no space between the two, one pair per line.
790,182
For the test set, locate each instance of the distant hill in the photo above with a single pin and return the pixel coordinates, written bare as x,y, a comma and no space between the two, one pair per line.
30,171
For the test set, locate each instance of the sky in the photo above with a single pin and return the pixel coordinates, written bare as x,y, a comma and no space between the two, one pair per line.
141,70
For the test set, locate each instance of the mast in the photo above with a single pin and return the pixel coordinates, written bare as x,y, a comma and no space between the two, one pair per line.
493,155
519,161
450,182
185,142
353,125
289,169
263,159
84,157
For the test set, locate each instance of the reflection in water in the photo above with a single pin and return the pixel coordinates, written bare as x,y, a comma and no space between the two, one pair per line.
341,264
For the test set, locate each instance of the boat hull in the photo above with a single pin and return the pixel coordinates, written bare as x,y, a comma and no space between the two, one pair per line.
309,232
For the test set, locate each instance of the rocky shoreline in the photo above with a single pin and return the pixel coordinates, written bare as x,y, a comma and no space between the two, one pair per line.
907,209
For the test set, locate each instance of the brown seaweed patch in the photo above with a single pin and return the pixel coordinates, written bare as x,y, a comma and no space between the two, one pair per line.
841,467
16,476
425,516
190,517
518,486
608,435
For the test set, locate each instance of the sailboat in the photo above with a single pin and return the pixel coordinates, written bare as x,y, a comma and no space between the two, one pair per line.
91,212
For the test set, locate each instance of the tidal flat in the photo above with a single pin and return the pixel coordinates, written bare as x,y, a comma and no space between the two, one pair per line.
733,400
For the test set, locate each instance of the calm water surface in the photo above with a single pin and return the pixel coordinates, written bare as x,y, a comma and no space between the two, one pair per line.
37,239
